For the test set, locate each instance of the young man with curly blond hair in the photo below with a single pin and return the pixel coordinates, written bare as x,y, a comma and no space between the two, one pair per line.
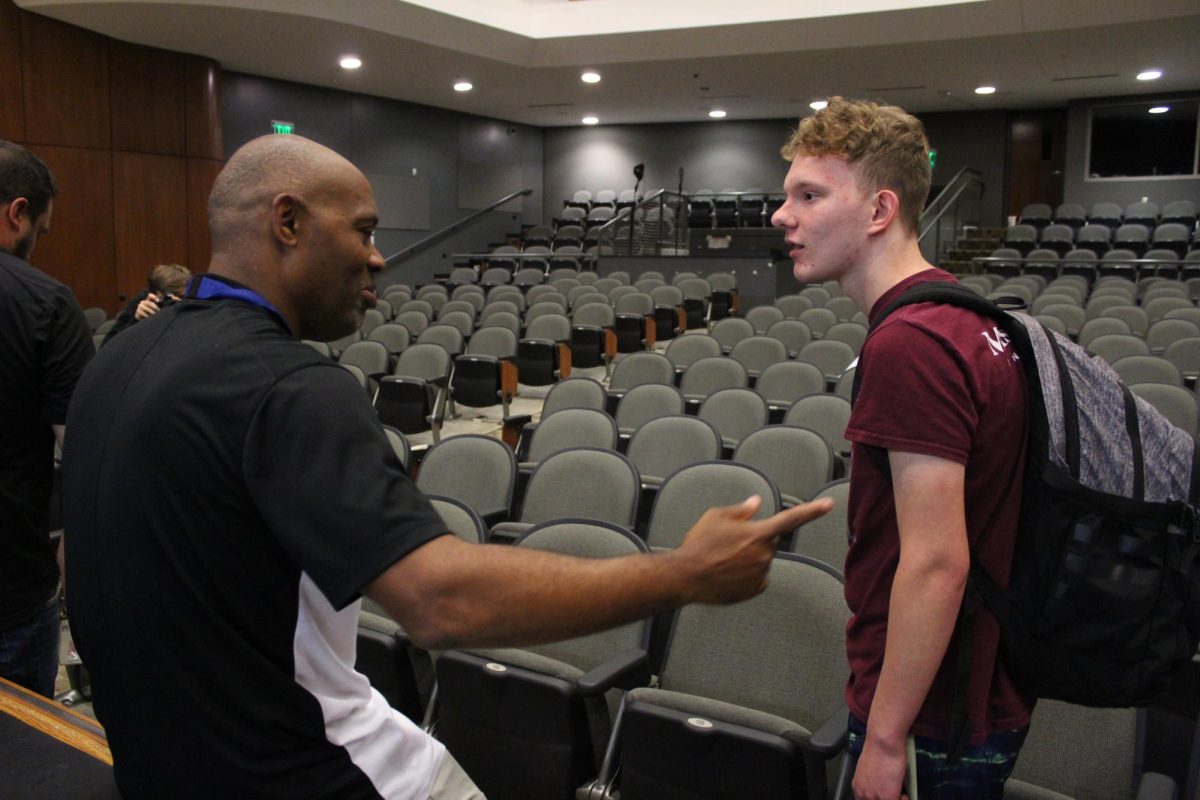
938,432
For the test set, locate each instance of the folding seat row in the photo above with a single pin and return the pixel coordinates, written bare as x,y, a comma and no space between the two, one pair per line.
731,208
1112,215
1169,236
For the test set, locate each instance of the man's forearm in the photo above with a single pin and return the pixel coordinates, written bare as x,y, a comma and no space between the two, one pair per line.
921,617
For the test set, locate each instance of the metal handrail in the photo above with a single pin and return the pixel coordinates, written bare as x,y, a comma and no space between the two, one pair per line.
938,208
416,247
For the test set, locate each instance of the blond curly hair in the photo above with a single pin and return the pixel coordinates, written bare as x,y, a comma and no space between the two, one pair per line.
887,143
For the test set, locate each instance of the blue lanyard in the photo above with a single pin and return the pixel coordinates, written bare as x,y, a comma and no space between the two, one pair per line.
214,287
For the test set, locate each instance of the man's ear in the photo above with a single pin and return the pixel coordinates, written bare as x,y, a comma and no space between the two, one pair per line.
14,211
285,212
884,210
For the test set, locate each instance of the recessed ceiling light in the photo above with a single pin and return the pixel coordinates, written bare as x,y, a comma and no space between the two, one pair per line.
590,77
590,120
985,90
1160,109
717,113
463,86
350,62
1150,75
817,105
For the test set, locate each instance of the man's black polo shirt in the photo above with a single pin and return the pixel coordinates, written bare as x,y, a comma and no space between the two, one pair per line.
228,493
44,346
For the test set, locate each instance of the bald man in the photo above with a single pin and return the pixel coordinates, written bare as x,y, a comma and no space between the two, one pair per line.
230,496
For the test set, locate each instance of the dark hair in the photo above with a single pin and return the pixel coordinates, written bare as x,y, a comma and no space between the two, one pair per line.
22,174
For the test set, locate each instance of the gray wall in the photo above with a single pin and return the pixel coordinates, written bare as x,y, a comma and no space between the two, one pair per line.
1077,189
391,138
714,155
735,154
977,139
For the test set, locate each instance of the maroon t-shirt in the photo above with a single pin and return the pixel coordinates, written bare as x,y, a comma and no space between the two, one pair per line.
943,381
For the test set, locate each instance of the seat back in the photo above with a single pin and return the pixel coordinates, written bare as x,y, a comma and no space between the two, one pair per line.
637,369
708,375
424,361
646,402
479,471
757,353
1118,345
731,330
683,351
498,342
763,317
574,393
460,519
798,460
1147,369
792,332
829,356
665,444
585,483
827,414
572,428
786,382
827,538
793,305
1077,752
1175,403
370,357
691,490
794,669
449,337
818,320
584,538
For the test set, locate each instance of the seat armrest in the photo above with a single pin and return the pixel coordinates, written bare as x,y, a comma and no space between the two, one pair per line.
518,420
1156,786
830,739
625,670
440,382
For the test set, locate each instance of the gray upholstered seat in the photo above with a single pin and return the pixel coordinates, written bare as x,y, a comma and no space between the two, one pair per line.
533,722
691,490
827,414
735,413
1084,753
479,471
708,375
583,482
798,460
826,538
756,353
744,690
664,444
643,403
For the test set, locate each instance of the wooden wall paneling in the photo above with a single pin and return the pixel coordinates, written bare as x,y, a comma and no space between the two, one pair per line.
150,215
79,249
200,176
202,97
146,97
65,74
12,100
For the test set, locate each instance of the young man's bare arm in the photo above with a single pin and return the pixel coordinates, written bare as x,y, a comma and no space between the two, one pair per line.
451,594
926,595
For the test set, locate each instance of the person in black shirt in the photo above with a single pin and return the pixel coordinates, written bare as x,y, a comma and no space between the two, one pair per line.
230,496
164,287
44,346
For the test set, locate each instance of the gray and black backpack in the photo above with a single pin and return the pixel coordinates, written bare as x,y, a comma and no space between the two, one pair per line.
1103,606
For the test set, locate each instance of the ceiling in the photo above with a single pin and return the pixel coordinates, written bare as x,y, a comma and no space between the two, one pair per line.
662,62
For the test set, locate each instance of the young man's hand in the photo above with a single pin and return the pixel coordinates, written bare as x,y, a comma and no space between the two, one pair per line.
879,774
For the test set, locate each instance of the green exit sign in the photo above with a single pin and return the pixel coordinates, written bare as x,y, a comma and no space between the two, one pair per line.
932,157
279,126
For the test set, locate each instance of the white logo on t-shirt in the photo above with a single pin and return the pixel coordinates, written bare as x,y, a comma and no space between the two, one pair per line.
998,340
